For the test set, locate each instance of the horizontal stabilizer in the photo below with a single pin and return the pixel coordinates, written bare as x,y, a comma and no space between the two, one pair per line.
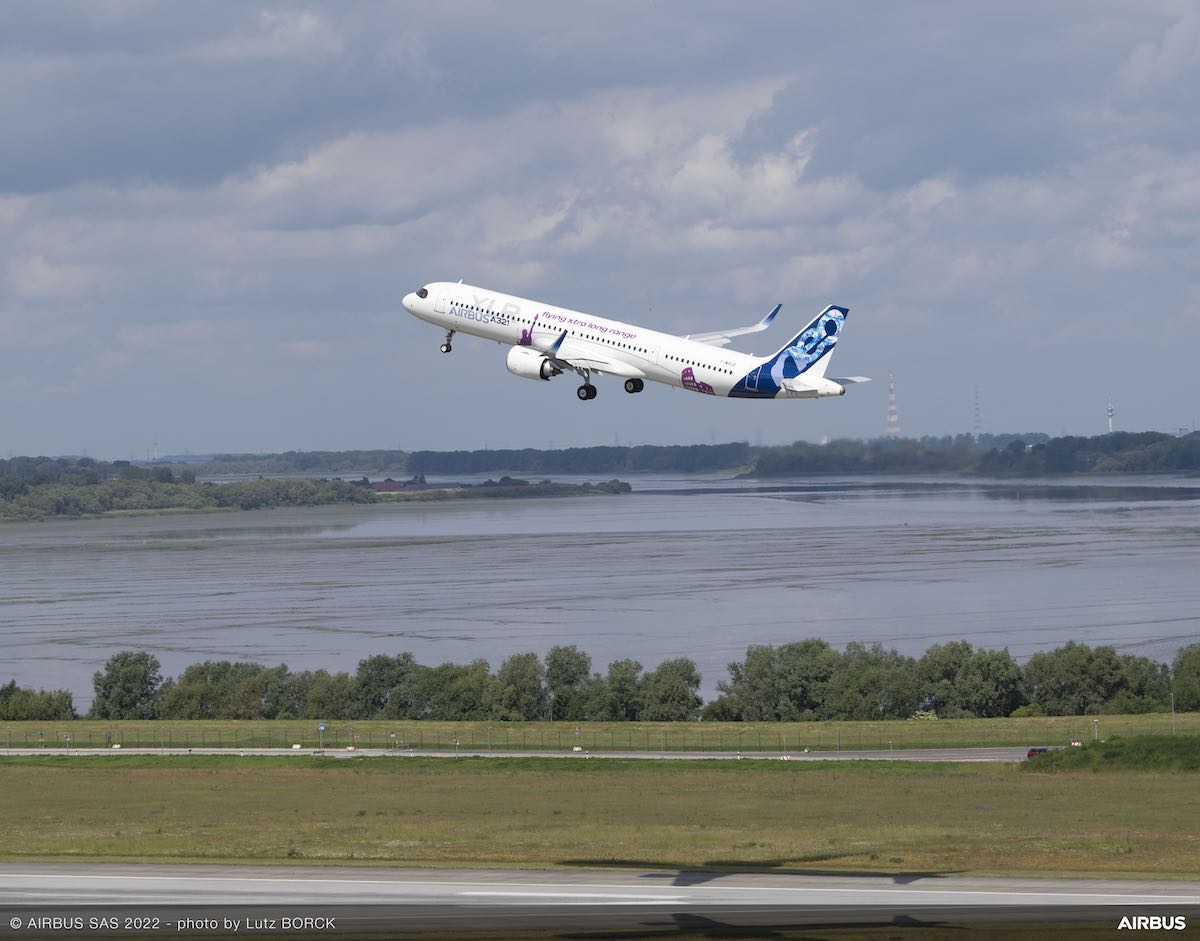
850,380
808,386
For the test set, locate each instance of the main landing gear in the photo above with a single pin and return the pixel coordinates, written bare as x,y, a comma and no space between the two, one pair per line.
634,385
446,347
587,391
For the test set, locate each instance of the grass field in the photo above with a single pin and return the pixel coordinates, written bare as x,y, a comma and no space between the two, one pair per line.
774,737
892,817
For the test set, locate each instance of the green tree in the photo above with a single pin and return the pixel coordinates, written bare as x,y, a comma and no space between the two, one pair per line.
991,684
218,689
805,669
519,692
1078,680
596,699
18,705
872,683
1145,686
127,687
623,691
567,672
330,696
454,691
410,697
280,694
1185,676
958,681
378,679
753,687
670,692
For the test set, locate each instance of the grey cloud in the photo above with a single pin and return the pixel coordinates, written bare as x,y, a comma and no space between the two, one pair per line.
223,203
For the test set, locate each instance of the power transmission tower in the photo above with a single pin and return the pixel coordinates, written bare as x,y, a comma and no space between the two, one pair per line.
893,417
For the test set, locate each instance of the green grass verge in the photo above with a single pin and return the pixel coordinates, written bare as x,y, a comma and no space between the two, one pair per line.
888,817
1149,753
767,737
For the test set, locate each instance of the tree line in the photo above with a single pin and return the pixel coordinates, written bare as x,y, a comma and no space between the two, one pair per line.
805,680
158,489
64,488
1005,455
526,687
306,462
696,458
994,456
1027,454
812,680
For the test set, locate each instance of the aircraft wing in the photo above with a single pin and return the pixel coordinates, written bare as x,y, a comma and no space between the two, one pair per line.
722,337
573,353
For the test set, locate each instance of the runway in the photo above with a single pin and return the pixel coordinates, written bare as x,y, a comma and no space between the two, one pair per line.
417,901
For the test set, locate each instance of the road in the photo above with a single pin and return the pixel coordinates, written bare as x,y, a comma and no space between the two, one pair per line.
1005,753
407,901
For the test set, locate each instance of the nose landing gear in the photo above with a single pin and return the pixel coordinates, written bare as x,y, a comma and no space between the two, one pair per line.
446,347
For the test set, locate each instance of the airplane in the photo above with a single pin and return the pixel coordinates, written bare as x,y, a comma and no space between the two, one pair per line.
546,341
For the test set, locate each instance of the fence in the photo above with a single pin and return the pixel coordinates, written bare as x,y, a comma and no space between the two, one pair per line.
495,737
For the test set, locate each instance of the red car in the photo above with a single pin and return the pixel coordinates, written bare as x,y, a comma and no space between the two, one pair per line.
1036,751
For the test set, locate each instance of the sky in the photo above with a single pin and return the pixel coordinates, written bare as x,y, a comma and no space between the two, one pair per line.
209,212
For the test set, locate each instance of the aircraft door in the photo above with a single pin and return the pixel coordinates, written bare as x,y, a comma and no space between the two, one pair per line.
439,306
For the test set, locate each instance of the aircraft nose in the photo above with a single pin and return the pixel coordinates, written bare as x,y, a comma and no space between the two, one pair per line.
408,301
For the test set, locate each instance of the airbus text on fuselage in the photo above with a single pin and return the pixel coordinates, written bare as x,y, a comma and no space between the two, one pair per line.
546,341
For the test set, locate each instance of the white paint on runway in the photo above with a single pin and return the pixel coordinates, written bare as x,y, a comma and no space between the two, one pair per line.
119,884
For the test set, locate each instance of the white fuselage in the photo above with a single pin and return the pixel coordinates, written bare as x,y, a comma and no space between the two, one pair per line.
511,321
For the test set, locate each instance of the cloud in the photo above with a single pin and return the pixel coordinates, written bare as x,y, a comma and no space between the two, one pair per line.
263,183
34,277
278,33
1162,65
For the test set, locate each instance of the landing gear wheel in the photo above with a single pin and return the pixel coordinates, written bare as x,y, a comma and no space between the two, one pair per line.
634,385
445,347
586,391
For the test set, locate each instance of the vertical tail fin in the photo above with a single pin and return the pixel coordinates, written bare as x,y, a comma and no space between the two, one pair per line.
809,351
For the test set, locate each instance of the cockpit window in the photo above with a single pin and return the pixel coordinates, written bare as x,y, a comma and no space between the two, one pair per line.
422,294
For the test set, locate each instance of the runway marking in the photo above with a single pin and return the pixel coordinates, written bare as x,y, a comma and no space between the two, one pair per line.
566,896
484,887
517,893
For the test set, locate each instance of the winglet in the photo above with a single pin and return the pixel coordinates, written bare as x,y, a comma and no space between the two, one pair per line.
553,351
766,321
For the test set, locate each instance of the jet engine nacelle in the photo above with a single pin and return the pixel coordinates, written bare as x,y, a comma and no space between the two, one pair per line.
529,363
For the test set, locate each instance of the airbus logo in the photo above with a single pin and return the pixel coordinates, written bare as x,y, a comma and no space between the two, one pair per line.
1153,922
